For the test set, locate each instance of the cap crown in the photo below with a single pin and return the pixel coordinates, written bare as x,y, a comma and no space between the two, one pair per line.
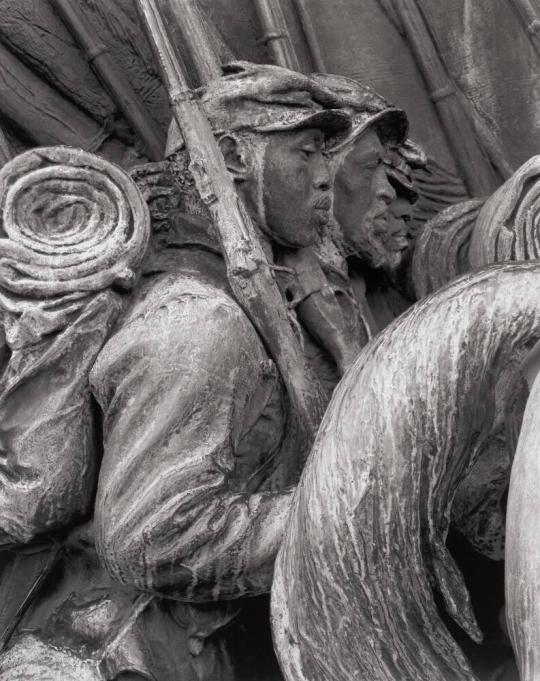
266,98
367,108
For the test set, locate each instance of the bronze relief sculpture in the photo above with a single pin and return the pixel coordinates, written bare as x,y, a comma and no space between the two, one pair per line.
181,325
257,336
378,488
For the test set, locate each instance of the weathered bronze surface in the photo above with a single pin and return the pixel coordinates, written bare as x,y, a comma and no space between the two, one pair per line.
202,252
365,541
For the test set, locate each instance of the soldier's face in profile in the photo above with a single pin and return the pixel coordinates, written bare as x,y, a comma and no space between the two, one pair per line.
398,241
296,185
365,205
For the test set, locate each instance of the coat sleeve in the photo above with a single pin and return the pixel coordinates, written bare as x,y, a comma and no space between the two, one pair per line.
48,457
176,386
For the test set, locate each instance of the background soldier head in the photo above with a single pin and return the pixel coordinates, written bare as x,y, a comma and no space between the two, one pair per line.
374,191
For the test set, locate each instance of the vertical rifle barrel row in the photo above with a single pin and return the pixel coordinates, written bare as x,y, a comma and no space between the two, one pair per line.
276,35
186,15
471,158
310,34
112,78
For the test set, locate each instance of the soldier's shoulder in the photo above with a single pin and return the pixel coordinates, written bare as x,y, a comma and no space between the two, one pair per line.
176,292
177,311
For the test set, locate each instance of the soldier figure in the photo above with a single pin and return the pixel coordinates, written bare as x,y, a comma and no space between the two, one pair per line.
374,195
191,502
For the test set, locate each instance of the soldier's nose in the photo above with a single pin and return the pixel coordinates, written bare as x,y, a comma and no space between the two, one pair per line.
322,181
321,176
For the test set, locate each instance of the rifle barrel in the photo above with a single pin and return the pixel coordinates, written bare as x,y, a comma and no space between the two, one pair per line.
187,17
125,97
311,35
530,16
471,159
5,150
276,35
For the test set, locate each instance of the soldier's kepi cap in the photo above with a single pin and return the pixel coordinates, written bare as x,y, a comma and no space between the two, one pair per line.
266,98
367,109
400,162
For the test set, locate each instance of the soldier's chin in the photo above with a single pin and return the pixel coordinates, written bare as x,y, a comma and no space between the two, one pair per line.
304,240
393,260
299,239
321,217
379,258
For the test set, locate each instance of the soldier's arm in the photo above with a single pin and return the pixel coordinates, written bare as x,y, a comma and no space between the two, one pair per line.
176,386
47,441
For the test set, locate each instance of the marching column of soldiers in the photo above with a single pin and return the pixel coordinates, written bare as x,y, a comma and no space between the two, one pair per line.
145,441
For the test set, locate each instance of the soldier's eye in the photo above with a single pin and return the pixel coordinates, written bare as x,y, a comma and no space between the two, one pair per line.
307,152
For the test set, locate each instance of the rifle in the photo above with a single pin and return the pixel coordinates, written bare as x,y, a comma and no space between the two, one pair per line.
125,97
530,18
276,36
310,35
477,171
186,16
249,273
5,150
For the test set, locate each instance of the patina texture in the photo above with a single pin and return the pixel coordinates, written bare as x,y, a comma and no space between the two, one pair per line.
476,233
365,540
73,228
170,338
195,435
522,558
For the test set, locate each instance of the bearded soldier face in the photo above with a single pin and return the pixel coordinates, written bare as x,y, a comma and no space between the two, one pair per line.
366,205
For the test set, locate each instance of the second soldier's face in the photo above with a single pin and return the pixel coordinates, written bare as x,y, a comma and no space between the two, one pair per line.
296,187
364,201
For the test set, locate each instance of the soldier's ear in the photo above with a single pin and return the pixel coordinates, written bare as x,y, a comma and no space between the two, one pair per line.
234,157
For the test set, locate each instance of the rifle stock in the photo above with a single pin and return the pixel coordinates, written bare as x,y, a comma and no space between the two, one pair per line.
248,271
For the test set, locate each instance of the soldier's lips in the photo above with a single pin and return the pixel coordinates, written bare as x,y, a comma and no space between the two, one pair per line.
322,210
323,216
324,203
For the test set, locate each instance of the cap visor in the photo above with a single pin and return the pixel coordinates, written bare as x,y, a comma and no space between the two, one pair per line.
330,121
402,184
391,125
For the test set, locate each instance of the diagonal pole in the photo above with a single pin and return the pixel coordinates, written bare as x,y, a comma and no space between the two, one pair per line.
5,150
310,34
471,159
529,13
116,83
248,271
276,35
